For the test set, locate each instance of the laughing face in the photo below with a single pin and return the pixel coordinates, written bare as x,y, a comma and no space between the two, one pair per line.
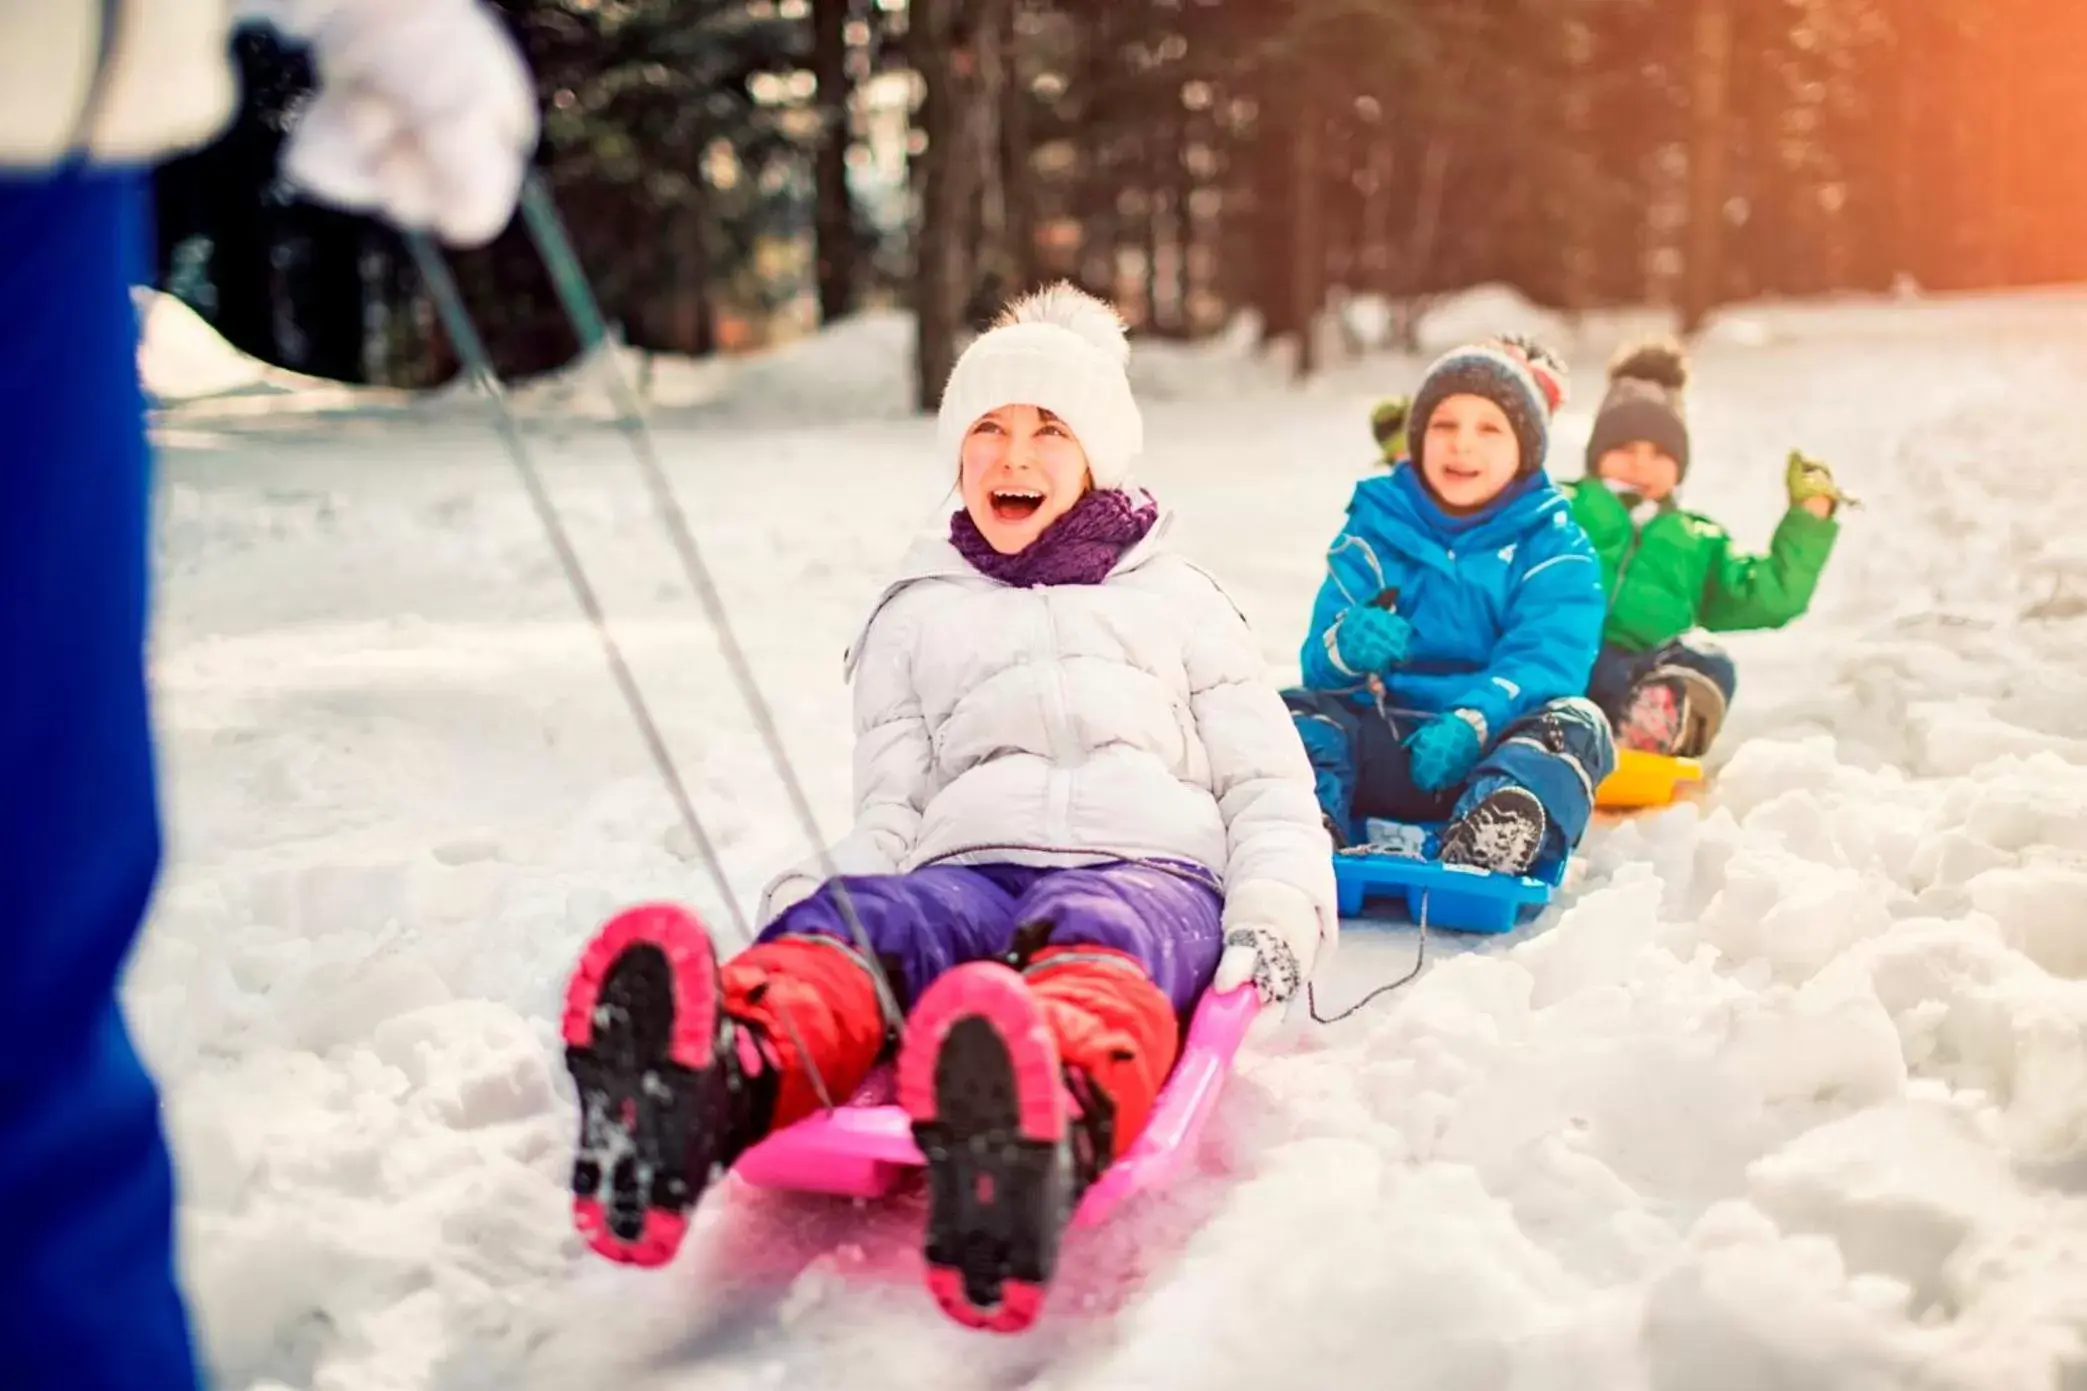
1470,453
1021,470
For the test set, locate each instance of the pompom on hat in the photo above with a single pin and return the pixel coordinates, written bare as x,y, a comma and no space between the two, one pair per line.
1061,350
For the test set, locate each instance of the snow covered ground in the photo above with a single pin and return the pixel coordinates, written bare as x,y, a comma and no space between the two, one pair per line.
1791,1091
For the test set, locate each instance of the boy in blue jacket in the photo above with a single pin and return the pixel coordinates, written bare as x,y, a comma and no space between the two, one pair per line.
1452,640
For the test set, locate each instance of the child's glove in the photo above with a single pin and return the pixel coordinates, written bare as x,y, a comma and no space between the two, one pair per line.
425,113
1444,751
1388,425
1259,955
1267,923
1370,640
1808,479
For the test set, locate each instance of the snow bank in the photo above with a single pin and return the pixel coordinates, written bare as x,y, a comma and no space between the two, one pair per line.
1481,312
181,358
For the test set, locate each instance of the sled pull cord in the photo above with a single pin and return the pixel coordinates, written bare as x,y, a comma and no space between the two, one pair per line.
1311,996
456,320
471,350
581,308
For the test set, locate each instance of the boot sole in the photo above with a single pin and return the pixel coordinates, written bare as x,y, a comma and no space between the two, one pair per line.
979,1076
1650,725
641,1029
1701,708
1465,840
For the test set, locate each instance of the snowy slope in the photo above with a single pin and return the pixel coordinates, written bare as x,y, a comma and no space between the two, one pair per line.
1791,1092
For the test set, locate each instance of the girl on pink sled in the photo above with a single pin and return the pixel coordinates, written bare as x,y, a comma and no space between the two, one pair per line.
1080,803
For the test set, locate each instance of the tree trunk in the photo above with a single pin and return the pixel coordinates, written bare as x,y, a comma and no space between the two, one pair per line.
835,219
1420,239
948,181
1580,175
1017,172
1710,72
1183,196
1154,143
239,270
990,277
1095,200
331,309
1379,265
1308,234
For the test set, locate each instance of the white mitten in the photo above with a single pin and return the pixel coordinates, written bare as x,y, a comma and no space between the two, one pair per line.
1256,954
425,113
1271,939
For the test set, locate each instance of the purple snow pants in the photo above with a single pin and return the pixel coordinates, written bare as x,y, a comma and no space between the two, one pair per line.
921,924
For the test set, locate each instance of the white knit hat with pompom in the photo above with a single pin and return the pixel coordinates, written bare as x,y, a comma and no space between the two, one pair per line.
1061,350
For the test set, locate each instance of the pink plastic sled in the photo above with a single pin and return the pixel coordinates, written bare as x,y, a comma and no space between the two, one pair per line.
863,1149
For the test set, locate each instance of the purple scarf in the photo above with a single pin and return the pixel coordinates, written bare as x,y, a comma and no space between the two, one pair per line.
1081,547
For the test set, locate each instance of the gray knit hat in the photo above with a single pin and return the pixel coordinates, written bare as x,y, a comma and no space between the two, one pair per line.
1645,402
1519,375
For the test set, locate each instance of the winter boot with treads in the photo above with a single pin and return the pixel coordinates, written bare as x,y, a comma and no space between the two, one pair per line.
1006,1133
1676,711
671,1090
1503,832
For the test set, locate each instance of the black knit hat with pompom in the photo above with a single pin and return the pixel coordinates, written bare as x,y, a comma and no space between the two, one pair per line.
1645,402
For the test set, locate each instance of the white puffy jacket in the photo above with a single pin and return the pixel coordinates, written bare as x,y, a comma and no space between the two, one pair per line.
121,82
1073,724
125,81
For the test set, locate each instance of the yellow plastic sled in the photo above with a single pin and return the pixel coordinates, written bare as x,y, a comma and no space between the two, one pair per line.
1645,780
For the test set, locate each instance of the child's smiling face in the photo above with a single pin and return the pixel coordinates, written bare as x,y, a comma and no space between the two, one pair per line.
1021,470
1470,452
1642,467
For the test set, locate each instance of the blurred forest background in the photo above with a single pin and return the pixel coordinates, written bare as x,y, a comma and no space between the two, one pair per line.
738,172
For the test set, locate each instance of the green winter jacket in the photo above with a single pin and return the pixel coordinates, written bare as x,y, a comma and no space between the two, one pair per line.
1679,571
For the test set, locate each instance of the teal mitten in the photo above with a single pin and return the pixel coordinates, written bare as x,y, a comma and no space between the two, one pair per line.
1370,640
1444,750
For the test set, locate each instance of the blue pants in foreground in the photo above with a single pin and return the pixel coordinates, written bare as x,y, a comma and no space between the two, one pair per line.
1362,767
87,1294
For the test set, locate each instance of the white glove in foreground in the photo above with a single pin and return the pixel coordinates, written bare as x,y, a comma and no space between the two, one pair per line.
1256,954
1271,939
425,114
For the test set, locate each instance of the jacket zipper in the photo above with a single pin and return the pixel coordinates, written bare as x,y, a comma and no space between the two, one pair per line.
1058,730
1630,553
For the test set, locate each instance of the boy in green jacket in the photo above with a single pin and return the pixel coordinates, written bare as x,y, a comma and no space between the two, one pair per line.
1668,571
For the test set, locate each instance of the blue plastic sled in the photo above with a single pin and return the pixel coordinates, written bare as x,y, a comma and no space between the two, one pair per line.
1397,862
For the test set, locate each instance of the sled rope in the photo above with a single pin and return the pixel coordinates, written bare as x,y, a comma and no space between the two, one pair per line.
1420,961
582,309
457,322
547,231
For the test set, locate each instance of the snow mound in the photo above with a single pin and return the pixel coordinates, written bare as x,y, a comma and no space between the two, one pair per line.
182,358
1485,311
858,368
